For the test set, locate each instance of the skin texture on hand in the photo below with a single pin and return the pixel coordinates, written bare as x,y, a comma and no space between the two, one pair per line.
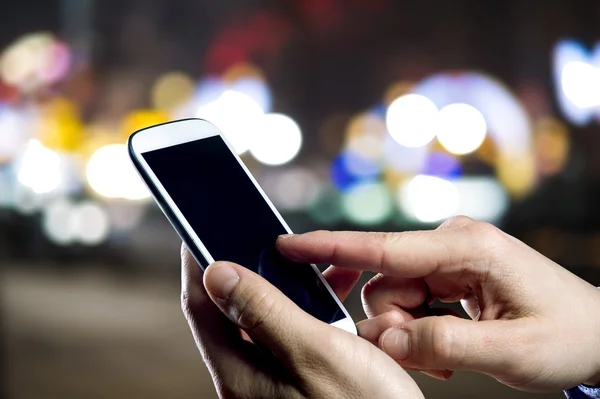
534,325
308,359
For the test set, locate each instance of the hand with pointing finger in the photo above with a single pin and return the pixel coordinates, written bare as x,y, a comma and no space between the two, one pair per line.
311,359
534,325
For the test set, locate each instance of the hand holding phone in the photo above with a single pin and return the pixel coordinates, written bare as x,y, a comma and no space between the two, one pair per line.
221,213
313,360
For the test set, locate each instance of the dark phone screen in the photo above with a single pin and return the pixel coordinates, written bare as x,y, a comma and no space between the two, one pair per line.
233,220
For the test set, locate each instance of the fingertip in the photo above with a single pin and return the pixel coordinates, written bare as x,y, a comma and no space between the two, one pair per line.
221,278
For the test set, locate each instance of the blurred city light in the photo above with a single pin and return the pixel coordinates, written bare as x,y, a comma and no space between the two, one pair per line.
577,80
111,174
552,146
90,222
404,159
292,189
40,168
428,198
517,174
276,140
367,203
442,164
366,134
412,120
34,60
66,222
59,126
481,198
462,128
172,90
13,132
57,222
580,82
239,117
141,119
326,208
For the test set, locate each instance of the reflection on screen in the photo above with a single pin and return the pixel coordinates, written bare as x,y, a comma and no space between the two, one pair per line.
233,221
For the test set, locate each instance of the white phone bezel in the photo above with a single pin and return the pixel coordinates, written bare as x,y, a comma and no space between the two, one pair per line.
187,130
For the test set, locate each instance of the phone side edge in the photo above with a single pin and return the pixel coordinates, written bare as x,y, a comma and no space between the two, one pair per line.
162,204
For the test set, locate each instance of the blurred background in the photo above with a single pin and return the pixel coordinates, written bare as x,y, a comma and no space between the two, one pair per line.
359,114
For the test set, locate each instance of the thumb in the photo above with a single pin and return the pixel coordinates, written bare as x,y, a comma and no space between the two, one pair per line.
452,343
261,310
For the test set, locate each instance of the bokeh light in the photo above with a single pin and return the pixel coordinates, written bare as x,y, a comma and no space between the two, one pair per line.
442,164
462,128
412,120
111,174
481,198
552,146
57,222
91,223
34,60
365,136
518,174
65,222
367,203
429,199
141,119
277,139
576,80
40,168
13,131
327,207
580,82
239,117
59,125
172,90
404,159
292,189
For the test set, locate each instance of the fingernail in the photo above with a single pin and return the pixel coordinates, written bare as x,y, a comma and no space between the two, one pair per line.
395,343
221,279
285,236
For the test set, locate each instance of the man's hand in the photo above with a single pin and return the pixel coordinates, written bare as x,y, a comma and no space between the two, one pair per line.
535,326
310,359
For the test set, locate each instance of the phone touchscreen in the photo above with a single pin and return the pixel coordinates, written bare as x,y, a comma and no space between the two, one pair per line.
233,220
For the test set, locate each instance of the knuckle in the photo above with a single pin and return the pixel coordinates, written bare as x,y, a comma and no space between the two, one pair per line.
456,221
257,308
442,340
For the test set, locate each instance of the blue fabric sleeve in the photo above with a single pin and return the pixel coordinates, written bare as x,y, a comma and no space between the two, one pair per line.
583,392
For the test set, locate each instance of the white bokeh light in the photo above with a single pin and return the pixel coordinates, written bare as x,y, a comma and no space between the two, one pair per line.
111,174
481,198
367,203
429,199
237,115
91,224
412,120
40,168
462,128
57,222
13,128
277,140
581,84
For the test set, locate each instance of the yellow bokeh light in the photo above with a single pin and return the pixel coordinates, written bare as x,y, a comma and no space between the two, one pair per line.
396,90
59,126
552,146
487,151
141,119
517,173
243,70
172,90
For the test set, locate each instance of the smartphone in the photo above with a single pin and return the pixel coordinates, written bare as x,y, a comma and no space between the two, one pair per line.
221,213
